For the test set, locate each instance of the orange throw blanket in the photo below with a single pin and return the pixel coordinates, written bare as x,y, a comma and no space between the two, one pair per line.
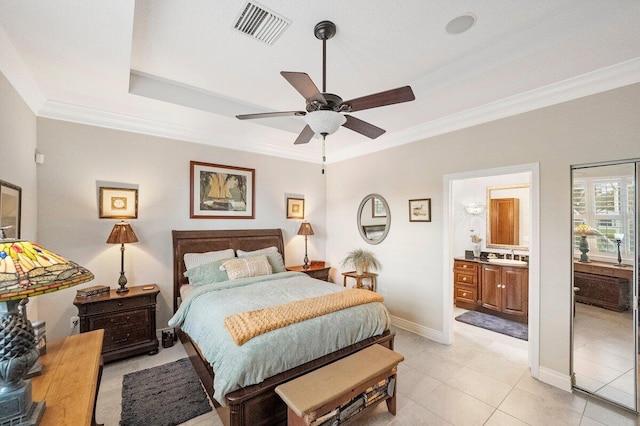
247,325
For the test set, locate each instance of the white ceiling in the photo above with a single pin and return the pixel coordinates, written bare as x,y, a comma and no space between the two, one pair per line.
72,60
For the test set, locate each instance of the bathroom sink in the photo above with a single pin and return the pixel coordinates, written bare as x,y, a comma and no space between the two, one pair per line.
510,262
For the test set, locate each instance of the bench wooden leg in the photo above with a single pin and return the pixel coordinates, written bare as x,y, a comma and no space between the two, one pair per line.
391,405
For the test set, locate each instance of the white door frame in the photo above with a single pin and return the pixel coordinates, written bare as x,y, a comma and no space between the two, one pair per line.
534,255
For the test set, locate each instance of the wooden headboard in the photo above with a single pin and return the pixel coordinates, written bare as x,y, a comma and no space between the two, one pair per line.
204,241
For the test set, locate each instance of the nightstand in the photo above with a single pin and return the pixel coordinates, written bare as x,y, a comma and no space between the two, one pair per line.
315,270
128,320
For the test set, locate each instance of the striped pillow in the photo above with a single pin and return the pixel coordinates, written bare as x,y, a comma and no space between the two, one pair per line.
254,266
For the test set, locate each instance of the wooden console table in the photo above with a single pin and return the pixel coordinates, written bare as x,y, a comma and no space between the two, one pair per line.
71,372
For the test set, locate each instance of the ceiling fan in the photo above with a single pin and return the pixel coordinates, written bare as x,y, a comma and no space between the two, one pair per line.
326,112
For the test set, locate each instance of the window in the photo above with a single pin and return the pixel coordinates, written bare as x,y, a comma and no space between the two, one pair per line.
606,204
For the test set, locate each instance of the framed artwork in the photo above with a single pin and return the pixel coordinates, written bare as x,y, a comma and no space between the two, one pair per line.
420,210
118,203
10,209
295,208
221,192
377,208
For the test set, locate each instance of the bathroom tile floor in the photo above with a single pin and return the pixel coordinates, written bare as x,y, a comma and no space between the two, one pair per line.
482,379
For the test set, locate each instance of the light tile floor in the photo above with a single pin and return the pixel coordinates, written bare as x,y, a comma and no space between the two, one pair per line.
482,379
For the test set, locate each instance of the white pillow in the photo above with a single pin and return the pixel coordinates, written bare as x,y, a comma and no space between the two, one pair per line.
272,249
254,266
191,260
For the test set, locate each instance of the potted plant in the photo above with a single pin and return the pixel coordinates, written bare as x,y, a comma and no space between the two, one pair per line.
362,260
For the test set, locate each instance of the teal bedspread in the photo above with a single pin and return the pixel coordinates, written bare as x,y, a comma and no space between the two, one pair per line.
201,315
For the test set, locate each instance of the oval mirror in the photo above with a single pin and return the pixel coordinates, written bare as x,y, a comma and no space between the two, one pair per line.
374,219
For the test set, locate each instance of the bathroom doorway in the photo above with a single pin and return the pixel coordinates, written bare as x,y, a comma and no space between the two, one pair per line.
459,222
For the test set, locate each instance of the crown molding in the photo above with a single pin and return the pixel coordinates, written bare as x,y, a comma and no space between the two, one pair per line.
597,81
612,77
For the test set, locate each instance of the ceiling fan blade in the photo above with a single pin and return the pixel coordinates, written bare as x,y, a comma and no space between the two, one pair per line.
304,136
271,114
362,127
389,97
303,84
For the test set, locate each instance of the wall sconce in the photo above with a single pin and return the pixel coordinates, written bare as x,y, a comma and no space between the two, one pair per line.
474,209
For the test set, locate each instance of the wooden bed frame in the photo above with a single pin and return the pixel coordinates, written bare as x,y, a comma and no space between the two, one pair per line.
255,404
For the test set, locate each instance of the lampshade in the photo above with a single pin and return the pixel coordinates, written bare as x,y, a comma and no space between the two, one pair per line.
26,270
325,122
122,233
585,230
305,229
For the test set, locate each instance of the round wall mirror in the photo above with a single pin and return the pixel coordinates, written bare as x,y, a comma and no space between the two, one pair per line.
374,219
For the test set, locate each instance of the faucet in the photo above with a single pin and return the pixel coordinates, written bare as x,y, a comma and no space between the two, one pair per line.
513,254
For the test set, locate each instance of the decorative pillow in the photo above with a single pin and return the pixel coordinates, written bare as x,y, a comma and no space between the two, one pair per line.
253,266
191,260
207,273
273,256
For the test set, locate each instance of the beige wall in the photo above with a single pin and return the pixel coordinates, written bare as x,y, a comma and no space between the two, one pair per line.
596,128
77,156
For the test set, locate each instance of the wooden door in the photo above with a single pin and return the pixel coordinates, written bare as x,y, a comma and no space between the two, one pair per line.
491,287
515,294
505,224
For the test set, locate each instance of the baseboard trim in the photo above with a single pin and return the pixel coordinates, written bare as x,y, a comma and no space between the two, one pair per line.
555,378
418,329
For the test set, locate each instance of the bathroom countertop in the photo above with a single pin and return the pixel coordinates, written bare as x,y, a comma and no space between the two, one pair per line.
486,262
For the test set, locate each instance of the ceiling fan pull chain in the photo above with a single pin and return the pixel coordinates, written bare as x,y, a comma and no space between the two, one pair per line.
324,158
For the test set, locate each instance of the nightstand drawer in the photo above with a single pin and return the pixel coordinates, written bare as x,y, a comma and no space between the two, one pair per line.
121,320
123,337
114,305
321,274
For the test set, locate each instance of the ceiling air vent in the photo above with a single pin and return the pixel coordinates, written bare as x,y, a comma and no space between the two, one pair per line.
260,23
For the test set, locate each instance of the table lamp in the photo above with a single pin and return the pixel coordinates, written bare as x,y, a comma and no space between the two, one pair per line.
26,270
305,229
584,231
619,238
122,233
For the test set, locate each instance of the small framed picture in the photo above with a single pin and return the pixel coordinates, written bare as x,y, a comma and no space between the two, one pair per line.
295,208
118,203
10,209
221,192
420,210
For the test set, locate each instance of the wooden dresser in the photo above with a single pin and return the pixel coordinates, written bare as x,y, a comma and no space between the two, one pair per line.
128,320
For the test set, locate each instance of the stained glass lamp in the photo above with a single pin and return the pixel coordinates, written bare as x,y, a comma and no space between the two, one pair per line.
306,230
26,270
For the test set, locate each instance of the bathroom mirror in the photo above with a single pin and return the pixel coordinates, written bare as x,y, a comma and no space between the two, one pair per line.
374,219
508,217
604,220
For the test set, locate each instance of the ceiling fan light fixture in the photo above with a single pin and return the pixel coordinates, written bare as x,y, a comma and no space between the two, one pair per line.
324,122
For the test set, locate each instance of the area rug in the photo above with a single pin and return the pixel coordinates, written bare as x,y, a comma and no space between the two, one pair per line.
497,324
166,395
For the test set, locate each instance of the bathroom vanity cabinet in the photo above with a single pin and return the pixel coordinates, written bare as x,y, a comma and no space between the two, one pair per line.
495,289
505,289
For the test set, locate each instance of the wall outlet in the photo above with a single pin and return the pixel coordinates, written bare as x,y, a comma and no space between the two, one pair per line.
74,322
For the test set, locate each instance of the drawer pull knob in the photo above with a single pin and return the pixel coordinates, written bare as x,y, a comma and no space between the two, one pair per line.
464,278
464,266
119,303
464,294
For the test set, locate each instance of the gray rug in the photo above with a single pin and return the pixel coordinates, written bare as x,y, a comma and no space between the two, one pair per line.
497,324
166,395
